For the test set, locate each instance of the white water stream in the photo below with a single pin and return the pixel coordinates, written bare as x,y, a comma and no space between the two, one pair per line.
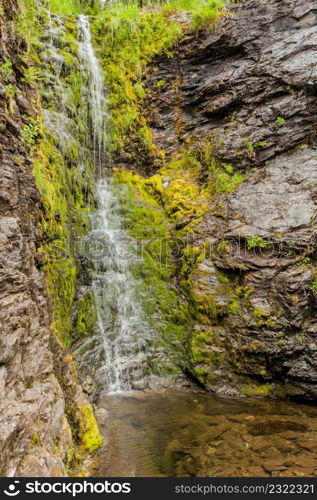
121,322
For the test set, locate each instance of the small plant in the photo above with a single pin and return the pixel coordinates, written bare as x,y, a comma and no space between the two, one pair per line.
256,241
234,307
223,247
280,121
300,338
303,262
228,167
251,147
30,132
32,75
290,90
313,286
10,91
232,117
6,67
261,144
159,84
139,90
225,183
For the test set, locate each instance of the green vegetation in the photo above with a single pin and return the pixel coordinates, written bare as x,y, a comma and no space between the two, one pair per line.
66,7
251,147
85,316
31,75
226,183
280,121
6,67
313,286
148,223
11,92
89,434
304,261
128,39
206,14
256,241
263,390
30,131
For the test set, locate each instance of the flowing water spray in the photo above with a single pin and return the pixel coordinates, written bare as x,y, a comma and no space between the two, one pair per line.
121,321
97,99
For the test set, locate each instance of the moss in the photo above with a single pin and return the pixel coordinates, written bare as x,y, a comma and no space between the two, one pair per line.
263,390
234,307
85,316
89,434
183,194
36,440
148,223
244,292
128,39
226,183
260,312
66,191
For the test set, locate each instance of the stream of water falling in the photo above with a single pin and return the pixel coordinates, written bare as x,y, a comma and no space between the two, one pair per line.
121,321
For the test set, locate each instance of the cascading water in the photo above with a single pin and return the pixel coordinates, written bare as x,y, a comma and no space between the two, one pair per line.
121,321
97,99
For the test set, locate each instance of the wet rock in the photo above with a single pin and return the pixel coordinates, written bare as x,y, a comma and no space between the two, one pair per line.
249,89
35,434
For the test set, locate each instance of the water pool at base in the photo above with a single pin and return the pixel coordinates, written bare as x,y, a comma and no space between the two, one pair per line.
175,433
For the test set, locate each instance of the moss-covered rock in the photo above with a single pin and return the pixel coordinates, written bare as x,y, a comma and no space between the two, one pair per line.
89,434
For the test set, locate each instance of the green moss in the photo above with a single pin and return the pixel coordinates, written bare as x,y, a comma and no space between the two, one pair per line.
128,38
86,316
89,434
260,313
263,390
66,191
226,183
183,194
244,292
36,440
234,307
148,223
62,198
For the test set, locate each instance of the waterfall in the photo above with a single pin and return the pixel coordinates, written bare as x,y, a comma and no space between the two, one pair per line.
121,322
97,99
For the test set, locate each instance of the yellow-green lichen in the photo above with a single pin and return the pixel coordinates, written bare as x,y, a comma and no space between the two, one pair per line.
262,390
89,434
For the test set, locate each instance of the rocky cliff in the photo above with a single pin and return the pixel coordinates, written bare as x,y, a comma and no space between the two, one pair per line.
233,116
46,422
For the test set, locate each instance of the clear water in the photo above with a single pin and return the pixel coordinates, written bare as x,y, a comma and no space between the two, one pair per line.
121,322
178,434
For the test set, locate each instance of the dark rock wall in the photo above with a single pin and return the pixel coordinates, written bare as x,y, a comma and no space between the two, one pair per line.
248,90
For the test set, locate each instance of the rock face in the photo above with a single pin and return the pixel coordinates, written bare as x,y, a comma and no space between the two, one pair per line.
35,435
248,92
